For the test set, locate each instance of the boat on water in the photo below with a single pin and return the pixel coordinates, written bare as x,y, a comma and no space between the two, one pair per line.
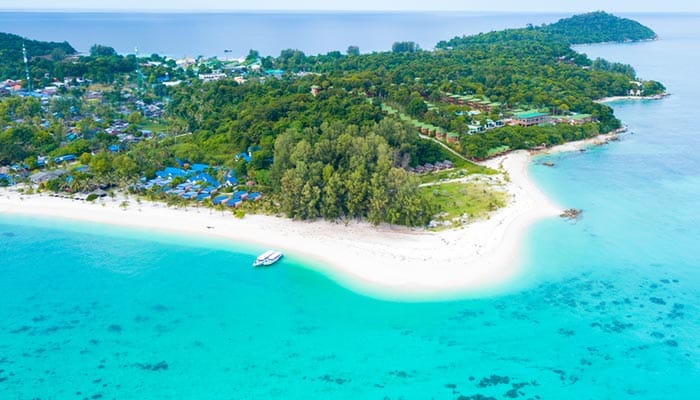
267,258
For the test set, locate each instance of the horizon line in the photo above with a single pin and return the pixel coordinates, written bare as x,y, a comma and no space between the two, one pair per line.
296,11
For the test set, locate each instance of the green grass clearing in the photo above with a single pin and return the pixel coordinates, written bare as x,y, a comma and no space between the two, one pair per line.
459,203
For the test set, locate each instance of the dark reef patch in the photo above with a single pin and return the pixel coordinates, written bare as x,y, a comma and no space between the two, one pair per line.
676,312
614,327
160,308
657,300
493,380
330,379
566,332
476,397
400,374
159,366
23,328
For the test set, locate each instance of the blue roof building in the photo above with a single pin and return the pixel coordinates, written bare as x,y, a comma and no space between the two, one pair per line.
234,202
199,167
203,177
240,193
6,179
230,179
203,196
219,199
66,158
170,172
255,196
243,156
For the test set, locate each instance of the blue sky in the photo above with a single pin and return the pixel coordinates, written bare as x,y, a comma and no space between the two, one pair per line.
461,5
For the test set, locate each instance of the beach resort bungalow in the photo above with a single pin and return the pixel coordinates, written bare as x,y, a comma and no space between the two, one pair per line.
214,76
203,178
255,196
6,180
233,202
45,176
452,137
530,118
171,172
230,180
475,128
220,199
66,158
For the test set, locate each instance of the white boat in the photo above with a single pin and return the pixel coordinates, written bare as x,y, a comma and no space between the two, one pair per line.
267,258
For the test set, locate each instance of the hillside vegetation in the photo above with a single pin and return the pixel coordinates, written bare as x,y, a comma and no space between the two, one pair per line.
336,135
41,54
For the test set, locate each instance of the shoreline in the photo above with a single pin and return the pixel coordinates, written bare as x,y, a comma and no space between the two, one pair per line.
577,145
622,98
405,264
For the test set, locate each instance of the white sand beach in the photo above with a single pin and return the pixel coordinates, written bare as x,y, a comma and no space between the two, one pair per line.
384,261
620,98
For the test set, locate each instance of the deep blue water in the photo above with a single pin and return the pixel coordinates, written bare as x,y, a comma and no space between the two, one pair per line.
607,307
178,35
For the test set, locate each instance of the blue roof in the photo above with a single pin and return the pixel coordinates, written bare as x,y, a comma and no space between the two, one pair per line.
219,199
231,180
114,148
171,172
199,167
233,202
253,196
204,178
240,193
67,157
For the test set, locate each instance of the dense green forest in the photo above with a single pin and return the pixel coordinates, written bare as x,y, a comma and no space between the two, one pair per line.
334,135
599,27
42,55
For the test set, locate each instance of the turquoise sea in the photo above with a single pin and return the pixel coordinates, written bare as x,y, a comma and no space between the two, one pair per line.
607,307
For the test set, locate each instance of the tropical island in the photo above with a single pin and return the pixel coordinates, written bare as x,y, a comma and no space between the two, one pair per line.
405,137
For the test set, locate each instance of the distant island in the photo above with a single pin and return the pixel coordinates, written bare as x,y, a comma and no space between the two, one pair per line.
388,137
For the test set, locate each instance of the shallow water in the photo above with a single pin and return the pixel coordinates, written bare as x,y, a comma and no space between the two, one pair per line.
607,307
